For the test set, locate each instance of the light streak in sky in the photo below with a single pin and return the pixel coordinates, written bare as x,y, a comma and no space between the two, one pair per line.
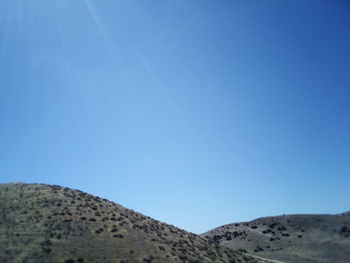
107,37
102,28
159,85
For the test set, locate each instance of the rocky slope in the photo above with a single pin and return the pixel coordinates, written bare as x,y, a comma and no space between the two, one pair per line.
43,224
290,238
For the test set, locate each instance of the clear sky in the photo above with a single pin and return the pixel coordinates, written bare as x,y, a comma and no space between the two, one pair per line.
194,112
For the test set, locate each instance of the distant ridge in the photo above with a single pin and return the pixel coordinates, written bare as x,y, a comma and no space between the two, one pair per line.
290,238
345,213
53,224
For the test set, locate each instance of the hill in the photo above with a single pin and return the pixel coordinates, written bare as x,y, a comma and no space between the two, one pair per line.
44,223
290,238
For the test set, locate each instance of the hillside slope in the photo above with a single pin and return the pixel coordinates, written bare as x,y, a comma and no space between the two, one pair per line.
290,238
43,224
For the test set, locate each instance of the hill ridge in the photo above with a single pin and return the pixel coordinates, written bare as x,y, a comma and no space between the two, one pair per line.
297,238
50,223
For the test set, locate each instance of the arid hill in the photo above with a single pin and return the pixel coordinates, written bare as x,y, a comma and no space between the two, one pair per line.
290,238
43,224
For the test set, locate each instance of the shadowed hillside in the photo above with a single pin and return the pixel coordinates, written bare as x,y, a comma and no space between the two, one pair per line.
43,224
290,238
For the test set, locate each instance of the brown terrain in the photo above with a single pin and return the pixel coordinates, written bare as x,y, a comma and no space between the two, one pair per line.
44,223
290,238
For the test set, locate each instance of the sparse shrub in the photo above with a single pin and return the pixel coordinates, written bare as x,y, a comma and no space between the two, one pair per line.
344,229
98,231
46,243
148,259
217,238
272,225
47,250
258,249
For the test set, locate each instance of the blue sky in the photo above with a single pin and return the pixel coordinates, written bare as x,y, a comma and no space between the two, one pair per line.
197,113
